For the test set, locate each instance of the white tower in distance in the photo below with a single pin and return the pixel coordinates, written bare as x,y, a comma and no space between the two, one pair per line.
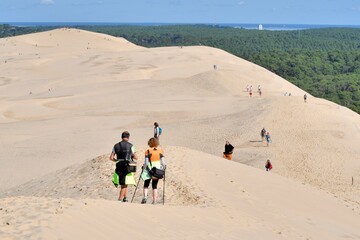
261,27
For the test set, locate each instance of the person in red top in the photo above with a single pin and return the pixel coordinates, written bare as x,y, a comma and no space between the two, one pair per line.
268,165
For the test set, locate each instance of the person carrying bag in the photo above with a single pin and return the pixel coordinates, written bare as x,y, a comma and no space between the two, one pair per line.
123,154
153,169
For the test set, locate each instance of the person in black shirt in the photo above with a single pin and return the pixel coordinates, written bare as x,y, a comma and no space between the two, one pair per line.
228,151
262,134
124,152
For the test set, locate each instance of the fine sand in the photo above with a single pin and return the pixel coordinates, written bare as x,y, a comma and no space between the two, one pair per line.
66,95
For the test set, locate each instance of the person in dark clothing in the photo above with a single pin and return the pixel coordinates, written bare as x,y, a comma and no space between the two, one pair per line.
157,131
122,153
262,134
268,165
228,151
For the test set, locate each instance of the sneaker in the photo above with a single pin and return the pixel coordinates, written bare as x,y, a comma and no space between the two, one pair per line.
125,199
143,201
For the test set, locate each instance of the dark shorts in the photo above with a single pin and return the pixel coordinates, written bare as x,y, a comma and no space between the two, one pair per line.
121,171
153,184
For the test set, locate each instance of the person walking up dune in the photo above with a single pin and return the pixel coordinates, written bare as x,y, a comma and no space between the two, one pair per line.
305,97
122,153
154,158
228,151
268,139
268,165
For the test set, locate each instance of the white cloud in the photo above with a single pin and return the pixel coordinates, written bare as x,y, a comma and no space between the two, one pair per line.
47,2
241,3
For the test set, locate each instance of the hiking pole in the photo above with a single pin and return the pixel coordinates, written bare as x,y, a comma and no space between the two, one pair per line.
164,190
136,186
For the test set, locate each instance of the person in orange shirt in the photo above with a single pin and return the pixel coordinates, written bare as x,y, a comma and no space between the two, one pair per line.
154,158
228,151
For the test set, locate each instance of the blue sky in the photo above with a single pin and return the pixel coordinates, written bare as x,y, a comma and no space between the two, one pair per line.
338,12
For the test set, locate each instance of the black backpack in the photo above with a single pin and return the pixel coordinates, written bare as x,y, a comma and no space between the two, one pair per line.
123,150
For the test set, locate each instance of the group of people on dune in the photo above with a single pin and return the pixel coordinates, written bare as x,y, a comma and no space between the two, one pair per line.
249,89
265,135
153,169
227,154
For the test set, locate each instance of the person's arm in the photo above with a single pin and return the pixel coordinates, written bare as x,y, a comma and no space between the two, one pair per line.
112,156
146,162
134,155
163,163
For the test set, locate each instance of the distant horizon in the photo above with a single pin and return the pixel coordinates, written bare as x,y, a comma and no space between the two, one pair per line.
249,26
320,12
175,23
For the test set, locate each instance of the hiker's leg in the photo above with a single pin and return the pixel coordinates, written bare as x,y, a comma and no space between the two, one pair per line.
123,192
154,187
146,187
146,190
154,195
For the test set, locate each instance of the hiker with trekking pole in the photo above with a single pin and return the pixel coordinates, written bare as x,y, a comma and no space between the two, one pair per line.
152,170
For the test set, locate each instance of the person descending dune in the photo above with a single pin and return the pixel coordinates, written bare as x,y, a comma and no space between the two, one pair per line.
153,169
125,153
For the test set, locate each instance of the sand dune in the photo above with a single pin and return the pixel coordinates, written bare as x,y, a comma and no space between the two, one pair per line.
239,200
66,95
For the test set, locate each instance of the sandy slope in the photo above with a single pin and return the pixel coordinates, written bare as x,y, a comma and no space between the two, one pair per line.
86,88
202,203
